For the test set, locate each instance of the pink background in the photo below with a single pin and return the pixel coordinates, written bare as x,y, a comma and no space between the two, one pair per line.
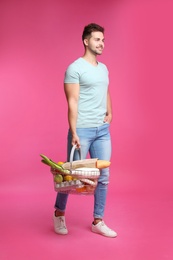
38,40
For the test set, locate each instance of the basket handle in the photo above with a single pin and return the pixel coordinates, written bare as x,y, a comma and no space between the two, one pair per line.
72,154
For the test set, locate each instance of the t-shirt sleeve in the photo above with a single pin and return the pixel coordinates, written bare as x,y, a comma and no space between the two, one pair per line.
71,75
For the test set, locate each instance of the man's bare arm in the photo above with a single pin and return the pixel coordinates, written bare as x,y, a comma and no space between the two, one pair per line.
72,96
108,117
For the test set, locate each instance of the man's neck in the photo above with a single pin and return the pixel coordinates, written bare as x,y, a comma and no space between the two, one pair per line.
90,58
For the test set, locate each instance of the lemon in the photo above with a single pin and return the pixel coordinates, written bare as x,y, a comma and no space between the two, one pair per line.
60,163
68,178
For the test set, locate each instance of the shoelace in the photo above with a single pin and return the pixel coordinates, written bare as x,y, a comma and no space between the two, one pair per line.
62,224
103,224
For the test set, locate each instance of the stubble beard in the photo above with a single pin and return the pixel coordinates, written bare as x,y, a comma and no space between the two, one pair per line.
97,52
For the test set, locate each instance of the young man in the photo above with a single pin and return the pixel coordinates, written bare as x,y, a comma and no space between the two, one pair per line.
89,116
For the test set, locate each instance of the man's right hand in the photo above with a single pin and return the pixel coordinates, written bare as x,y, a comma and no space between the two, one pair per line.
75,141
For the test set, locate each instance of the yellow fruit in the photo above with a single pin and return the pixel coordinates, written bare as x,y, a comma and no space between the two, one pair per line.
60,163
68,178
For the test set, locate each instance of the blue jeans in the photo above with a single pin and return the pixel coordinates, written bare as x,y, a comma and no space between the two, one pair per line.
97,142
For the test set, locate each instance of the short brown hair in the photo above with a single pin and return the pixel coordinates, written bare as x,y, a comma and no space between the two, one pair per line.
92,27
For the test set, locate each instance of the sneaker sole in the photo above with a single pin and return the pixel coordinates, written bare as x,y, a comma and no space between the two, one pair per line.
102,234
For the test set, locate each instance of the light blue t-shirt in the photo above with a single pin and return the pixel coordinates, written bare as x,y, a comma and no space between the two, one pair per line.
93,81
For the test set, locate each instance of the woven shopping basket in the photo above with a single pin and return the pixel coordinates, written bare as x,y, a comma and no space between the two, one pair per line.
82,180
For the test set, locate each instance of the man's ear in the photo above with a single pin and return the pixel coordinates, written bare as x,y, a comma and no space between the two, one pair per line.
85,42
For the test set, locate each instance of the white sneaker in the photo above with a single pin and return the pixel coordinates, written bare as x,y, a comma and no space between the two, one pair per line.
102,229
59,225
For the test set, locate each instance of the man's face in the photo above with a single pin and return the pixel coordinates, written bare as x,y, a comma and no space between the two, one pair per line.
95,43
